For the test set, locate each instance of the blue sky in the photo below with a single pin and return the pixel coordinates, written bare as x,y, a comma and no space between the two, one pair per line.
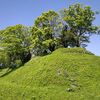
24,12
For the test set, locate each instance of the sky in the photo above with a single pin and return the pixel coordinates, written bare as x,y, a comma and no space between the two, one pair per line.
24,12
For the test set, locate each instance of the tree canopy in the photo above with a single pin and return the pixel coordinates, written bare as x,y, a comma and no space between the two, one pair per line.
44,33
71,27
15,42
79,21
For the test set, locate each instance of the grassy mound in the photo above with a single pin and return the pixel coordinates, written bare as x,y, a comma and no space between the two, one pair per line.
66,74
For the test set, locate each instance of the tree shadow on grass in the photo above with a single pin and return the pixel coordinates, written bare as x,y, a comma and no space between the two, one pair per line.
8,71
11,69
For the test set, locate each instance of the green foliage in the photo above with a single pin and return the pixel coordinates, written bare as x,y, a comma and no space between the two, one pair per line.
15,41
79,20
71,28
18,63
44,39
3,59
66,74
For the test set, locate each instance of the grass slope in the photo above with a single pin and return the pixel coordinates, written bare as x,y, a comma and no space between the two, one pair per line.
66,74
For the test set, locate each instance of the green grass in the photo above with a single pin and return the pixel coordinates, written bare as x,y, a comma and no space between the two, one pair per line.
66,74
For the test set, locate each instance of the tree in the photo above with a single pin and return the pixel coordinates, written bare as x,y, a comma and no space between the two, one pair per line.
45,33
79,19
15,41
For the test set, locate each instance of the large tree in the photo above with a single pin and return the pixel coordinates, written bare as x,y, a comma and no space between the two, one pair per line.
79,22
45,32
15,41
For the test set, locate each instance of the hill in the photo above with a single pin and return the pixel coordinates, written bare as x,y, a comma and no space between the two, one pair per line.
66,74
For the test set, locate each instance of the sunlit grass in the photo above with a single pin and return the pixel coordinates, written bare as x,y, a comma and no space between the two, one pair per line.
66,74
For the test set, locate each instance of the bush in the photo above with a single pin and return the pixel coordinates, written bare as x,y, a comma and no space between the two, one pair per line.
18,63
